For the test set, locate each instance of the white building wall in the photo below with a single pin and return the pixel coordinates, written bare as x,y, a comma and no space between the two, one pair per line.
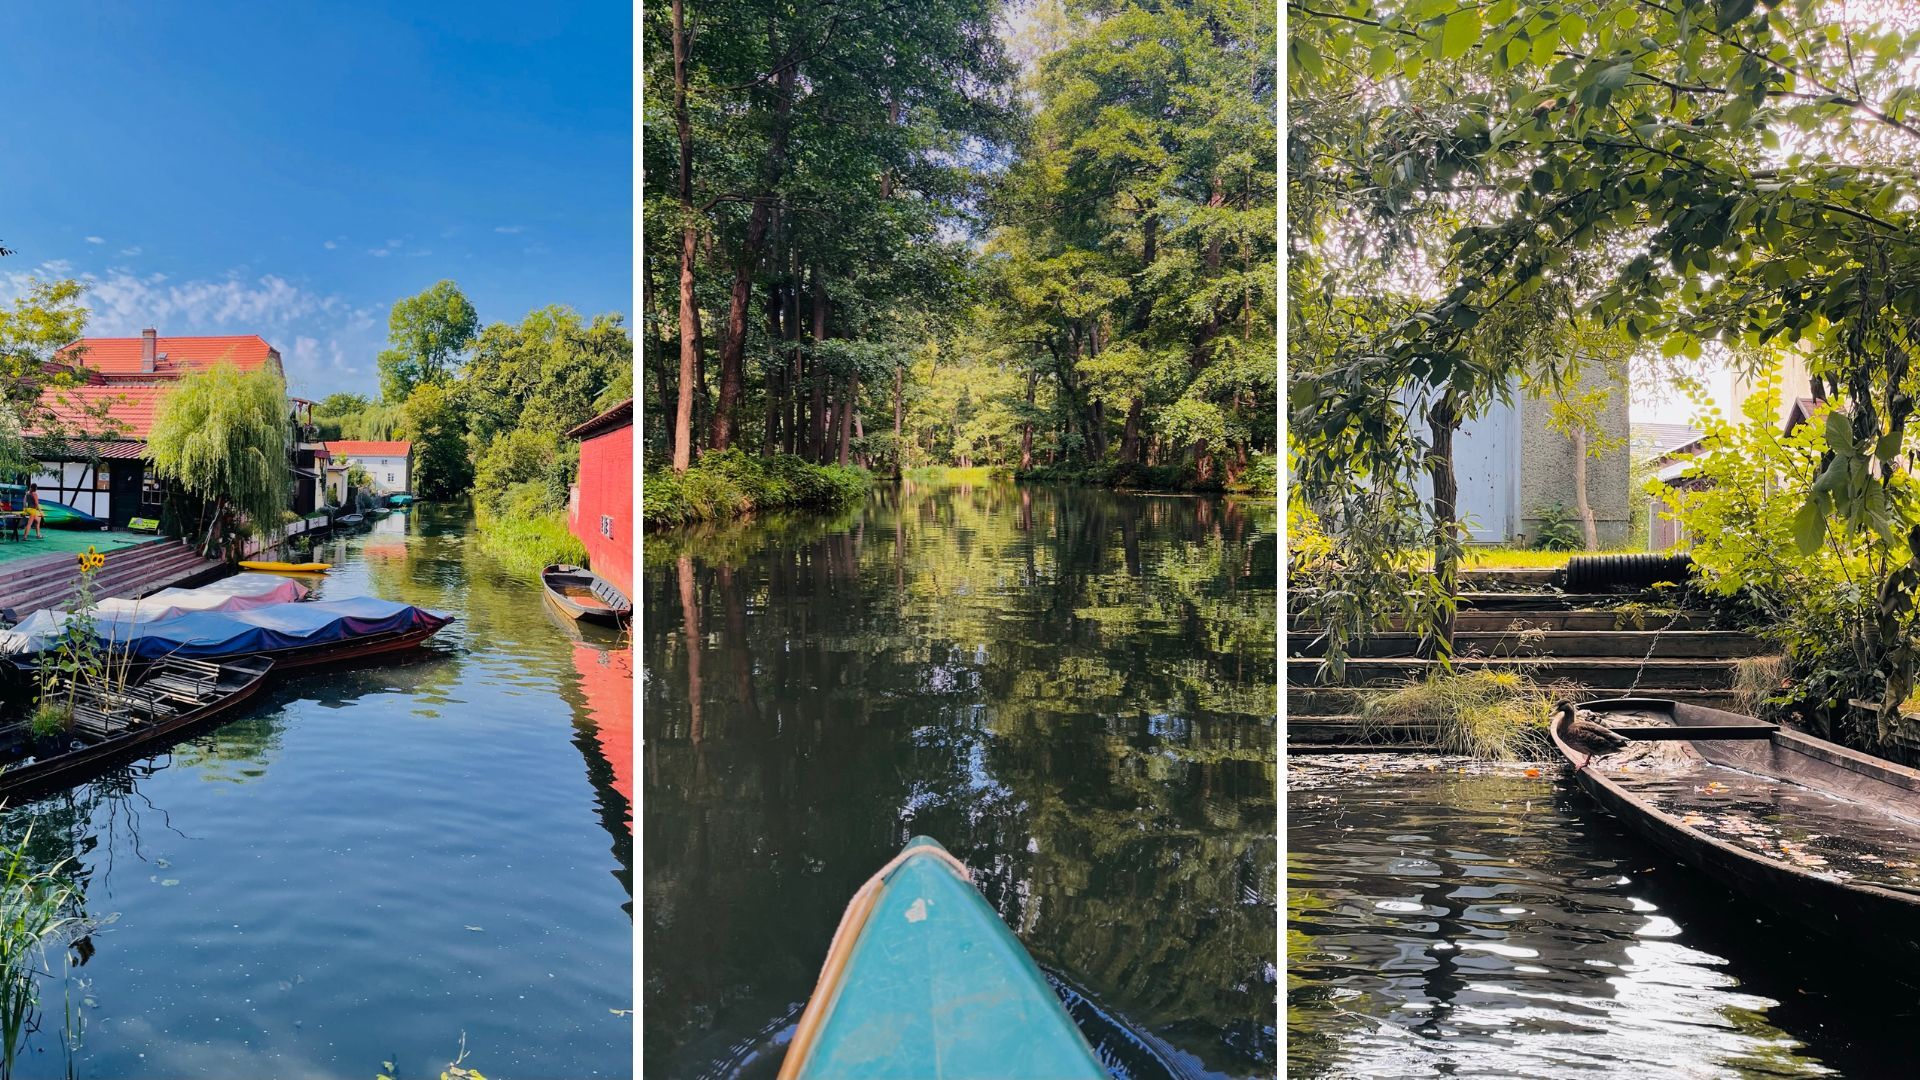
389,473
59,479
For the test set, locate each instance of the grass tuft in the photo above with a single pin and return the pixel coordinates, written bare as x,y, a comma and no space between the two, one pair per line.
1490,715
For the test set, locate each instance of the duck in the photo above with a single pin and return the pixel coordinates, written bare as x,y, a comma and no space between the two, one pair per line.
1590,737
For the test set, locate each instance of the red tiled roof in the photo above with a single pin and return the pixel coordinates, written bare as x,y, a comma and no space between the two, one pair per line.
132,406
353,448
119,357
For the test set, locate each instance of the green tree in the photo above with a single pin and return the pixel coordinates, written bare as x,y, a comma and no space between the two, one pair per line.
427,333
434,423
221,436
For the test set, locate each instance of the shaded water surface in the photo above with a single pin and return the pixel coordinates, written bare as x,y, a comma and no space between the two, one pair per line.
1072,690
1487,923
365,864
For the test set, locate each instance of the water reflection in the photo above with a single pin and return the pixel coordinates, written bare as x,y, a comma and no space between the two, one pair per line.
368,862
1071,689
1490,924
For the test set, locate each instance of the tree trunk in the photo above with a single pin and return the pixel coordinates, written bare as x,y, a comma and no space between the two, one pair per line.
1026,429
733,346
1589,526
1442,419
817,445
689,241
899,448
1130,435
843,415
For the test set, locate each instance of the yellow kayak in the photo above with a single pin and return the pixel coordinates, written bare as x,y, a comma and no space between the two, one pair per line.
287,567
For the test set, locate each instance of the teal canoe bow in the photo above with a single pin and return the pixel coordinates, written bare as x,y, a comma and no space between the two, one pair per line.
923,980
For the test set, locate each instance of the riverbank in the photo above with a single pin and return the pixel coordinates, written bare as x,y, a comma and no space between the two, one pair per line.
733,484
1260,477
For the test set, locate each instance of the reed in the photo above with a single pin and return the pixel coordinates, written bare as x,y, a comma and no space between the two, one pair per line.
35,912
1491,715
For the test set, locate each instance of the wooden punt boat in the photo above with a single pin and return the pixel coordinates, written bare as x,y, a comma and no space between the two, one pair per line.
350,520
923,979
1812,798
163,705
285,567
584,595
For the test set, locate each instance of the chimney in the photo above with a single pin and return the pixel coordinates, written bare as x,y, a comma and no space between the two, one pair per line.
149,341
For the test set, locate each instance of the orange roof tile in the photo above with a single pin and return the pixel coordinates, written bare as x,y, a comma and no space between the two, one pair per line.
354,448
133,407
119,357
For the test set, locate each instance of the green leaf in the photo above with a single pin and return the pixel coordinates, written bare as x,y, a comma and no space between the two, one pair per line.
1809,528
1572,29
1462,29
1543,45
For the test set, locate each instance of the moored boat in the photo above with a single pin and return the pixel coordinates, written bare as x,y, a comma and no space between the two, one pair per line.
350,520
112,723
271,567
581,594
1826,837
43,628
923,979
293,635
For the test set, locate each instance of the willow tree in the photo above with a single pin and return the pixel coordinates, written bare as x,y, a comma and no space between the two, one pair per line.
221,438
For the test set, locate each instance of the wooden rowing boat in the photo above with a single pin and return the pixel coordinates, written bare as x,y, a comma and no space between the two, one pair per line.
582,594
1810,829
163,705
923,979
286,567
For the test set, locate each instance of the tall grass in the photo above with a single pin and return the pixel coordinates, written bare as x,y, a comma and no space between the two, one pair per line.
526,545
1491,715
35,913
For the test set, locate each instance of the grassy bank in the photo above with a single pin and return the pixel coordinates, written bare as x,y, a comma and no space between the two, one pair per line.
1497,716
527,544
734,484
1260,477
954,474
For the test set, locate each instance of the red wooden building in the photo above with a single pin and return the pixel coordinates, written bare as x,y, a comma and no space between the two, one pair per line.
600,509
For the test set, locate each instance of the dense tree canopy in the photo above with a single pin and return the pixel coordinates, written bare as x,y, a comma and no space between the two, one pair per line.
856,213
1723,177
221,436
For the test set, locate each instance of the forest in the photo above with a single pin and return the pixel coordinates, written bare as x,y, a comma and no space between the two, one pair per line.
886,236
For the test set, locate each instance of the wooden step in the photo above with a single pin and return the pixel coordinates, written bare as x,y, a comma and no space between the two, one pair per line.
1301,701
1633,644
1600,673
1481,622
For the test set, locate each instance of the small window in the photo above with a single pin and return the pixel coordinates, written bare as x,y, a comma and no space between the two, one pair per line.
151,495
606,526
102,479
389,478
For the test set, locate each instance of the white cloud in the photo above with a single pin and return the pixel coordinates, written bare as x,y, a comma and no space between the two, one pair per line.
96,240
379,253
331,337
130,252
509,229
329,245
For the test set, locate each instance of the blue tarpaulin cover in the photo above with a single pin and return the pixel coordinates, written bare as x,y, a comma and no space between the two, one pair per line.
205,635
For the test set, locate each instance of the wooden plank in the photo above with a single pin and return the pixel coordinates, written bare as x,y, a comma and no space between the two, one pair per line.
1679,733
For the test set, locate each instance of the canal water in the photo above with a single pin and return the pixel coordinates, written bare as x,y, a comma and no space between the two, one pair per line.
1445,919
1072,690
370,863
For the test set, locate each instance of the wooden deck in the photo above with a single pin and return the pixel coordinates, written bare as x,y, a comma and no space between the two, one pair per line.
133,571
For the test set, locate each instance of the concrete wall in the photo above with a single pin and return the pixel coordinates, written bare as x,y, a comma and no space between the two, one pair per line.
1547,464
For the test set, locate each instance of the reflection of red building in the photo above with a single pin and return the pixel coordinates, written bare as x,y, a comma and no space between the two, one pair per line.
600,511
606,682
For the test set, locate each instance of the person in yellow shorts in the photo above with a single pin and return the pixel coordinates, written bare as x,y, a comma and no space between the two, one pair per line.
33,512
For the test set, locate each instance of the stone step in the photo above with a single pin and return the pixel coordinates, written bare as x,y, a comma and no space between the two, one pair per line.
1568,644
130,573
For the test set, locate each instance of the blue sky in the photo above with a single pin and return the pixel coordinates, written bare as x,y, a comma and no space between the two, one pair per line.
291,170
